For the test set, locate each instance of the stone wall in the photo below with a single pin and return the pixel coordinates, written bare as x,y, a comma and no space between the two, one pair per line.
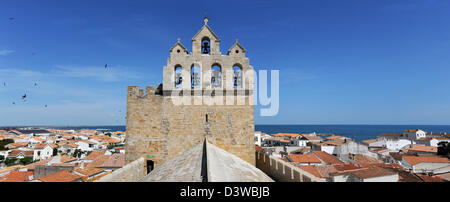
131,172
282,171
43,170
158,129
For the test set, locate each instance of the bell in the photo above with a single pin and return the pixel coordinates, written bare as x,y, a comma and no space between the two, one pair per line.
179,79
205,48
195,79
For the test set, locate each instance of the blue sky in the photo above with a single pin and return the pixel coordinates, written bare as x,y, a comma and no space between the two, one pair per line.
340,62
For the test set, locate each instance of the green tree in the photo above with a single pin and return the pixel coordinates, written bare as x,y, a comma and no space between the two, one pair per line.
77,153
4,142
10,161
26,160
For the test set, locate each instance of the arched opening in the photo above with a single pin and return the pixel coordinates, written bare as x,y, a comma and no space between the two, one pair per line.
237,76
178,76
216,76
195,77
206,46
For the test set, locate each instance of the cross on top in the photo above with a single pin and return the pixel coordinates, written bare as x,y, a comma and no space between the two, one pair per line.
205,20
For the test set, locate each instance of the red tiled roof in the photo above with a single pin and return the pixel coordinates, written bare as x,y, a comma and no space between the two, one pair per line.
304,158
15,153
320,171
93,155
114,161
89,171
372,172
258,148
327,158
310,137
17,176
346,167
391,134
61,176
410,130
427,178
413,160
423,148
292,135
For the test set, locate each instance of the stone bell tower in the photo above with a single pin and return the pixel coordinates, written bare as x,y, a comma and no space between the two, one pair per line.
159,128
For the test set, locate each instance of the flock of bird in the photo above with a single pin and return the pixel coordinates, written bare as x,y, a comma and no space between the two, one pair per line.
11,19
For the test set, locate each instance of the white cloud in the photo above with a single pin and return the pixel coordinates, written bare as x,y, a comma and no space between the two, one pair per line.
6,52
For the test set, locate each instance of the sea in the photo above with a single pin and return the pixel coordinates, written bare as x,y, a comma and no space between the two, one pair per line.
356,132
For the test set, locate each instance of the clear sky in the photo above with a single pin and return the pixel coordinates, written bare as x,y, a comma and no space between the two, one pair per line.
340,62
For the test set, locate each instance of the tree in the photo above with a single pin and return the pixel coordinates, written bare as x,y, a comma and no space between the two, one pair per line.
10,161
444,148
4,142
26,160
77,153
108,134
55,151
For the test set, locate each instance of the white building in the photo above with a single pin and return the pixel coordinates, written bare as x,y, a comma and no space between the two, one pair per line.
258,138
413,134
42,152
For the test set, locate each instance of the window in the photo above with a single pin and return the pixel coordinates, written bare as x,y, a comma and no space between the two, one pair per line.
178,76
195,77
216,76
206,46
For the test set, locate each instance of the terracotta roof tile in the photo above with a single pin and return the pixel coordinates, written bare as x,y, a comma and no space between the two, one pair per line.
327,158
304,158
292,135
61,176
17,176
372,172
423,148
413,160
89,171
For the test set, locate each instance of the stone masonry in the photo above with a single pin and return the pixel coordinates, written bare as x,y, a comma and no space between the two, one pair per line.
159,128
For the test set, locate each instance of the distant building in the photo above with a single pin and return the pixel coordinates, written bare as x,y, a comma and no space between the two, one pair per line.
372,174
424,164
414,134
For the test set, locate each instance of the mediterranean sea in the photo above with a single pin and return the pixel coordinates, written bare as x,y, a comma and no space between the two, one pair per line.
356,132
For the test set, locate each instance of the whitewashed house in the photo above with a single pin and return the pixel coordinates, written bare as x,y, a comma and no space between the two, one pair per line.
85,145
42,152
414,134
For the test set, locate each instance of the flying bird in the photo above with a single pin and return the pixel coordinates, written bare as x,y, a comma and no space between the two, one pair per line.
4,83
14,103
11,19
24,96
35,84
45,105
106,65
